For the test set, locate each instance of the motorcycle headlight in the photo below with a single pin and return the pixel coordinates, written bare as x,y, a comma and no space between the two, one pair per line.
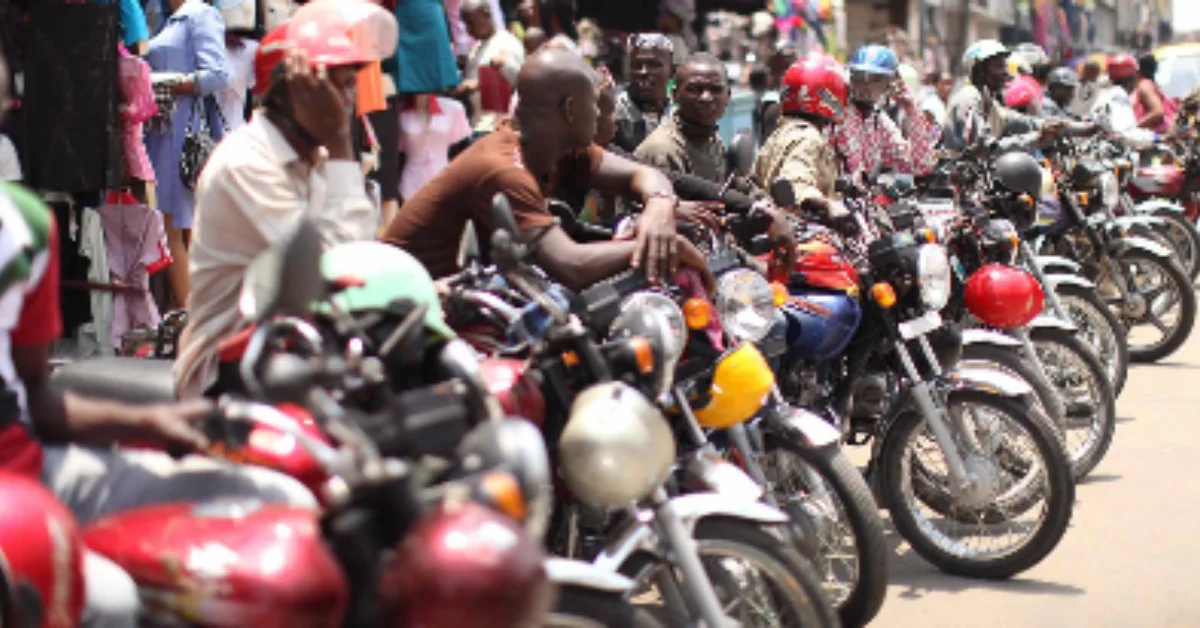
933,276
657,318
745,305
1110,190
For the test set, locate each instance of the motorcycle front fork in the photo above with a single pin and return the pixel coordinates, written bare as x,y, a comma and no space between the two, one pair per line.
684,553
936,413
1055,405
1051,296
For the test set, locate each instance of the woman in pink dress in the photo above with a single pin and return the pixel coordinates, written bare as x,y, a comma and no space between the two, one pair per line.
137,106
429,126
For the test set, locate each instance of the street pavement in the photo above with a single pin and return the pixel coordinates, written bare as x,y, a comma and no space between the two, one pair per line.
1132,555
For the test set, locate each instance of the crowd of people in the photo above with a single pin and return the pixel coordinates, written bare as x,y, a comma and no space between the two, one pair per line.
403,122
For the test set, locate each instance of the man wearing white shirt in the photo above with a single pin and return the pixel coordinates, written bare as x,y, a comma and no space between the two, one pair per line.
496,48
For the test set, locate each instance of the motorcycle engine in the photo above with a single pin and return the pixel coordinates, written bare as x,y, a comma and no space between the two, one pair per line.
872,396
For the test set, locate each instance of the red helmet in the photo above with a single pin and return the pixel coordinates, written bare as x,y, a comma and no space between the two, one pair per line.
1022,92
1122,66
41,558
816,86
332,33
1003,297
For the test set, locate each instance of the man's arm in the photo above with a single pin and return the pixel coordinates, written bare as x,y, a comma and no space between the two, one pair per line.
656,246
910,151
579,266
1153,105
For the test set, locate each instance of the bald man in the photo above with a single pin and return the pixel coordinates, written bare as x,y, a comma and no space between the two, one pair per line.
546,147
496,48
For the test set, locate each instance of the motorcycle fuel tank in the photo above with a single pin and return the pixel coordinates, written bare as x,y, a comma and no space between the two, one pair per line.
515,388
1163,180
820,323
228,563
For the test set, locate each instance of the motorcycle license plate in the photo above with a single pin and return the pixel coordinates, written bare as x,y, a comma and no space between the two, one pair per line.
921,326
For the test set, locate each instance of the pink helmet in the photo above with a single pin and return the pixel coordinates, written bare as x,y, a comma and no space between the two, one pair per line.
1022,92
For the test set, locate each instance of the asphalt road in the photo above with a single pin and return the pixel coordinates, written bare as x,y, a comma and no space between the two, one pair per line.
1132,555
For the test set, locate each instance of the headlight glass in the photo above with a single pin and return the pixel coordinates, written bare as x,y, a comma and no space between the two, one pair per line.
659,319
933,275
1110,190
745,305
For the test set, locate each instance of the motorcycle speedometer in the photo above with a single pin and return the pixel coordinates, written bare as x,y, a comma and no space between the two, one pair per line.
745,305
933,275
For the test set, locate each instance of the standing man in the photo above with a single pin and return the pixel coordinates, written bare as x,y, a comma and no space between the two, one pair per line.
497,49
643,105
867,136
675,18
687,141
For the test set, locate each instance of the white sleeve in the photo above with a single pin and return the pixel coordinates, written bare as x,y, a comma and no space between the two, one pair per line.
10,166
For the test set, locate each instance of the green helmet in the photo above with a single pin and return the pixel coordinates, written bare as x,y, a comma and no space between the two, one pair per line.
387,273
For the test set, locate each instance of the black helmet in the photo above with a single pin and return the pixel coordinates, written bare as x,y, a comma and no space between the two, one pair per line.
1019,173
1063,76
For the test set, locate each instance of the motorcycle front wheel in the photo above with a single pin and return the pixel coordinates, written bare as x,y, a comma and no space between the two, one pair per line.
1184,238
758,579
1100,328
587,608
852,556
1011,452
1163,289
1091,407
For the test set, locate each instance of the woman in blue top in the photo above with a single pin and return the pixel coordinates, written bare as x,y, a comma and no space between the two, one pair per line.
192,43
424,62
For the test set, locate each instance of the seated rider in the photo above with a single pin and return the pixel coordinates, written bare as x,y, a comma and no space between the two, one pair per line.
548,145
293,159
66,440
1061,87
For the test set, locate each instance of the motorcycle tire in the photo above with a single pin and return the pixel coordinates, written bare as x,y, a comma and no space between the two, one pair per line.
1180,227
1087,310
586,608
1187,311
1060,496
1102,423
1013,362
728,537
858,505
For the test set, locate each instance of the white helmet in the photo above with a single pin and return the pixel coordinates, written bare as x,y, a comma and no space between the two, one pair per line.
981,51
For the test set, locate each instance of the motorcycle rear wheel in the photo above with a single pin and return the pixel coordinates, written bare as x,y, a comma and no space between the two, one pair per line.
859,515
586,608
726,538
1066,359
1184,238
934,544
1100,328
1175,336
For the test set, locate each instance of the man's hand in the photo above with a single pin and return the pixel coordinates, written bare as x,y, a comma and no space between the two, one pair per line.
691,256
320,107
657,240
783,241
173,426
467,87
1051,130
903,97
499,60
701,212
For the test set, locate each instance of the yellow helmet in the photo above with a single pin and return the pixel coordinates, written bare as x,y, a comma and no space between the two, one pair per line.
740,384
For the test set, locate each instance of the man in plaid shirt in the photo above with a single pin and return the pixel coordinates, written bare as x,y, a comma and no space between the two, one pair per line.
867,135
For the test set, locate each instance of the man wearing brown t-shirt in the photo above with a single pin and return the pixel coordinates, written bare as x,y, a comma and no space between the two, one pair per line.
548,145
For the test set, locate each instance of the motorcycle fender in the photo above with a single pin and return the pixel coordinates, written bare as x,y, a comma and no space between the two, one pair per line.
802,426
987,380
574,573
1157,205
1140,220
1134,243
710,472
1052,263
975,336
639,536
1062,279
1046,321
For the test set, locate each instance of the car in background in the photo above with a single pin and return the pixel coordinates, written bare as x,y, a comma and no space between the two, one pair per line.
1178,68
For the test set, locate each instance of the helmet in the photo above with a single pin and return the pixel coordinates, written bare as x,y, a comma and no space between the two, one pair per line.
376,275
1003,297
1063,76
1022,92
980,52
1019,66
41,558
1122,66
814,87
332,33
875,59
1019,173
1031,53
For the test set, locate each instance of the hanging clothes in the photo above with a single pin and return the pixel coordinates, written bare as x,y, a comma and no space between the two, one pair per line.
91,245
136,241
137,106
71,138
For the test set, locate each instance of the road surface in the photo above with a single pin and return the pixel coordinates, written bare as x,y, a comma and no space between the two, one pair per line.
1132,555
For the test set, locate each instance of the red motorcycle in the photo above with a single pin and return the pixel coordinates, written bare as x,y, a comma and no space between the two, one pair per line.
1176,182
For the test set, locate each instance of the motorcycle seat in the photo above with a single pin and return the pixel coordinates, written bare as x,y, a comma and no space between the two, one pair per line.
131,380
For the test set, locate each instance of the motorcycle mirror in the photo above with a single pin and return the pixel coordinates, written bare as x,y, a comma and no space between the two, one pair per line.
502,216
284,279
843,186
741,154
783,193
287,378
468,246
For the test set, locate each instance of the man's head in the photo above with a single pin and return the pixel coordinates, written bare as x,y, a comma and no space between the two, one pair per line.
1061,85
872,73
674,14
944,86
1091,71
760,78
702,90
782,59
986,65
477,15
557,98
1123,71
651,61
1148,66
534,39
